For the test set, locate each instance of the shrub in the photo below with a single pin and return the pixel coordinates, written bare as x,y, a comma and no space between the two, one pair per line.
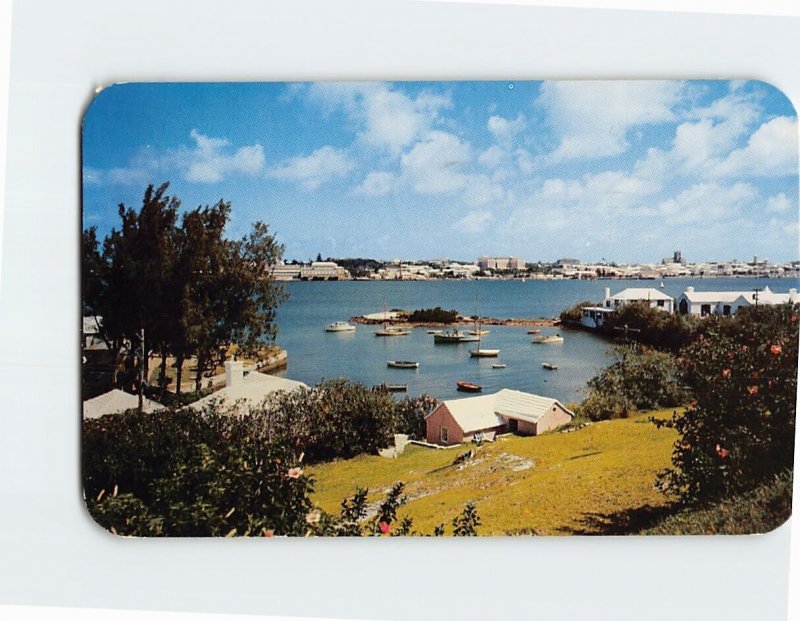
433,315
650,326
572,316
641,379
739,430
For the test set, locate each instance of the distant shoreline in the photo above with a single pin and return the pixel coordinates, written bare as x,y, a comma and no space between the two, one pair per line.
463,322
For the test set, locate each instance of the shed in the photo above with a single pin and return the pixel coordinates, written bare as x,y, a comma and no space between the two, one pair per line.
507,411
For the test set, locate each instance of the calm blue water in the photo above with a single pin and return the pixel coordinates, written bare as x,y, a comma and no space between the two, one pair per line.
315,354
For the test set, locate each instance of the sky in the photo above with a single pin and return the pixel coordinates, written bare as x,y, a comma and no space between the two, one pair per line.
621,171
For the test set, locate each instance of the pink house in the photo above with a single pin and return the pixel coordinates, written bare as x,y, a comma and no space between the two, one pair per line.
507,411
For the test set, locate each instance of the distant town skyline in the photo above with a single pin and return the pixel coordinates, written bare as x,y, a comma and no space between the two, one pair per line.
626,171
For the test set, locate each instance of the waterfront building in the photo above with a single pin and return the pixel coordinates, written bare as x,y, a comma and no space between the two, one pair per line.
507,411
704,303
594,316
244,390
317,270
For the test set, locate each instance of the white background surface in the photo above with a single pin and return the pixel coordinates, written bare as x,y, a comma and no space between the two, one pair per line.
50,551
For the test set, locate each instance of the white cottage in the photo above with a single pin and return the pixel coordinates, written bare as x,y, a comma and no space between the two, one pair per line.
704,303
594,316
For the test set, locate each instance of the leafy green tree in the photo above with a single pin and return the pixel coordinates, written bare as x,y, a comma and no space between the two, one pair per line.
739,429
640,379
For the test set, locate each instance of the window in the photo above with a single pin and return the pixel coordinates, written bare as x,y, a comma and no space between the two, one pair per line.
705,310
443,434
726,310
660,303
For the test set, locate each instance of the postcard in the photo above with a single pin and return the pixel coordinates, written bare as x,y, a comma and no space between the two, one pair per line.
488,308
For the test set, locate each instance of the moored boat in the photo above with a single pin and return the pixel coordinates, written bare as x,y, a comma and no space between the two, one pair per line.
452,336
464,386
393,331
498,365
394,387
534,331
550,339
340,326
402,364
484,353
550,366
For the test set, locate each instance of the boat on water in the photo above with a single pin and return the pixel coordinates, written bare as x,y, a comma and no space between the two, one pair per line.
464,386
498,365
550,366
402,364
393,331
534,331
481,352
340,326
453,336
549,339
478,332
394,387
435,331
388,330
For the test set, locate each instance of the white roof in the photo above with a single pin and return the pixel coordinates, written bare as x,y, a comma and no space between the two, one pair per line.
91,324
486,411
765,296
252,389
115,402
640,293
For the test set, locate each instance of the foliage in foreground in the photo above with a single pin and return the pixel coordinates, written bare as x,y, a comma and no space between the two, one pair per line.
188,474
339,419
759,510
739,429
640,379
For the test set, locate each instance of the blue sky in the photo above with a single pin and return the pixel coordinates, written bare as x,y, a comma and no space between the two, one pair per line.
628,171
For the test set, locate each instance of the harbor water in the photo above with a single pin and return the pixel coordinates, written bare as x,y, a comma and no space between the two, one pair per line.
361,356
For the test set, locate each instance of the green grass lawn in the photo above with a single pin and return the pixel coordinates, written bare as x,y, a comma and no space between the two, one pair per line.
553,484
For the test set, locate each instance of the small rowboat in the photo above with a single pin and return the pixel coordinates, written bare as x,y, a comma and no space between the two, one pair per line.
498,365
550,366
534,331
484,353
468,386
402,364
551,339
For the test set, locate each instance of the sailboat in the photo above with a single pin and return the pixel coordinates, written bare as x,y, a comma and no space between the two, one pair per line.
481,353
390,330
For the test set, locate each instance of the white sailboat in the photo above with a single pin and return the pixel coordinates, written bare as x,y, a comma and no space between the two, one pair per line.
479,352
390,330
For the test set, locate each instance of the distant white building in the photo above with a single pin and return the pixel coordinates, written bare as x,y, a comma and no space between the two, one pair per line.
594,316
704,303
318,270
500,263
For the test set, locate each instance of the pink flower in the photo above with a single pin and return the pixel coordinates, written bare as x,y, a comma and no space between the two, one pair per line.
722,452
294,473
313,517
794,317
744,347
384,528
752,390
726,372
267,533
775,350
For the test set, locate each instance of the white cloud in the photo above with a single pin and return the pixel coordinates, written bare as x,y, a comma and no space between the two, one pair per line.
492,157
313,170
474,222
92,176
505,130
481,190
770,151
211,161
709,202
779,203
387,117
591,119
434,164
376,184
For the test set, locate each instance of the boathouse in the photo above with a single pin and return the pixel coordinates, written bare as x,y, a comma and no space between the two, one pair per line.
507,411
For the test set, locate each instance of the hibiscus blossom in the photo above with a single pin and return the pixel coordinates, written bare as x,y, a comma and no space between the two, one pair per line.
294,473
775,350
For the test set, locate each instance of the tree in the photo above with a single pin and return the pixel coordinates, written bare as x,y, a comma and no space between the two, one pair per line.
739,429
641,379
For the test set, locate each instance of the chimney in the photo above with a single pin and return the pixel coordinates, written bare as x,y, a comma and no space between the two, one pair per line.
234,373
689,289
606,293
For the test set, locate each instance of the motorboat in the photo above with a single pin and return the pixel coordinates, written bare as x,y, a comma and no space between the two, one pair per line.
478,332
549,339
402,364
464,386
550,366
498,365
534,331
340,326
452,336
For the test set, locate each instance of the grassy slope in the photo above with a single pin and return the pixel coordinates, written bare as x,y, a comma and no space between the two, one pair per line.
554,484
